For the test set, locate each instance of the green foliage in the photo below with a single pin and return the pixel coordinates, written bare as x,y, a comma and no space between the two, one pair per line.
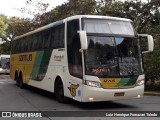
72,7
17,26
3,28
10,28
5,48
3,25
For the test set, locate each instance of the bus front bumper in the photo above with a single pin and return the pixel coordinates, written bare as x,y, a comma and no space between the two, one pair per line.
93,94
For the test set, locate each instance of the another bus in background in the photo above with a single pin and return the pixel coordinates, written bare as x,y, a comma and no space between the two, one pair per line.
4,64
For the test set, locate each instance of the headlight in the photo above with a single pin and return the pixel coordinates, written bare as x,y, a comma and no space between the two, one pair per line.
139,82
1,69
92,83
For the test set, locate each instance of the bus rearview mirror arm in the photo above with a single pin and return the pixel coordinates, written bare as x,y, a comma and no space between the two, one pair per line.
83,40
150,42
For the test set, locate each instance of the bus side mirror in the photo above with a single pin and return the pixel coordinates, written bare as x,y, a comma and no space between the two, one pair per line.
83,40
146,47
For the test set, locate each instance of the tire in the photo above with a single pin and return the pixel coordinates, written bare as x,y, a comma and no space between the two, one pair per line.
20,79
16,79
59,91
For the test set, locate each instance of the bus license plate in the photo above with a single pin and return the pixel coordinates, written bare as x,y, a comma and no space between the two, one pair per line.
119,94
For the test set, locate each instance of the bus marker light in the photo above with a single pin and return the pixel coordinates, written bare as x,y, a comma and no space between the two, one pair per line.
139,96
91,99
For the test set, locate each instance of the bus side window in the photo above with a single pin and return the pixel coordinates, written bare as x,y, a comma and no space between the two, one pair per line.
57,37
62,36
33,45
52,38
13,47
46,39
17,46
29,43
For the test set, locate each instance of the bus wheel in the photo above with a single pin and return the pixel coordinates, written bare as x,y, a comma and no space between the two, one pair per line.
20,79
16,79
59,91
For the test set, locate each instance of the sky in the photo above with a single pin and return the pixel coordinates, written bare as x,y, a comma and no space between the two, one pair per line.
9,7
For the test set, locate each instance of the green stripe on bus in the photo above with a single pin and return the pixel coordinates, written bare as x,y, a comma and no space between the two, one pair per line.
36,66
132,80
127,82
41,65
123,82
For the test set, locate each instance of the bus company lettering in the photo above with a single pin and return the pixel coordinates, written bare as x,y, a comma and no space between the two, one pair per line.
109,80
24,58
58,58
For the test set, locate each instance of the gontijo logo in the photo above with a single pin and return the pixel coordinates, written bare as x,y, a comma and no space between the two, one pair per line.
25,57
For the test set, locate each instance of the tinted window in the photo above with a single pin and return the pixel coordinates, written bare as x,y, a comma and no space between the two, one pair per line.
73,46
48,39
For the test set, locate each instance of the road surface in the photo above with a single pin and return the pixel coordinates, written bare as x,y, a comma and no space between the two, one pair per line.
13,98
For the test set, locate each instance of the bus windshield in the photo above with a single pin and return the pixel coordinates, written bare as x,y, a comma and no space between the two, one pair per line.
113,56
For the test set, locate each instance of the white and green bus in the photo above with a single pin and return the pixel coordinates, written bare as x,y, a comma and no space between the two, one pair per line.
84,57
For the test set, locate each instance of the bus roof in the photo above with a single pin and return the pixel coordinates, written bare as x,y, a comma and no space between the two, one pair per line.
68,19
40,29
97,17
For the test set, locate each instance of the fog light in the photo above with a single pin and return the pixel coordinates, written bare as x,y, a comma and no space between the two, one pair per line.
139,96
91,99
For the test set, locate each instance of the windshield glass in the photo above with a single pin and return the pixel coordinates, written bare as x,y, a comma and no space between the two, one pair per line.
108,26
113,56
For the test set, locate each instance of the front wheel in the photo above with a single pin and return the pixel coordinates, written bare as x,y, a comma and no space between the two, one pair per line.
59,91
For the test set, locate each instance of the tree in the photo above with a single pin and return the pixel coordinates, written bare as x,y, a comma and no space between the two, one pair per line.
34,7
3,25
72,7
14,27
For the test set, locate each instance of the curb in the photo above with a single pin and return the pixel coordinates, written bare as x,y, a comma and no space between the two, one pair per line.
152,93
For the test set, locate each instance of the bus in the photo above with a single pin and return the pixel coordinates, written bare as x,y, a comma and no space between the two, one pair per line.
87,58
4,64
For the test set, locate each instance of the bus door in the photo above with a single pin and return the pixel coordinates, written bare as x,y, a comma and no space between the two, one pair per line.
75,73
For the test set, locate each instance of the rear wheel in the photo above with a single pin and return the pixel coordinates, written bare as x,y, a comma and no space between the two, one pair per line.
16,79
59,91
20,79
